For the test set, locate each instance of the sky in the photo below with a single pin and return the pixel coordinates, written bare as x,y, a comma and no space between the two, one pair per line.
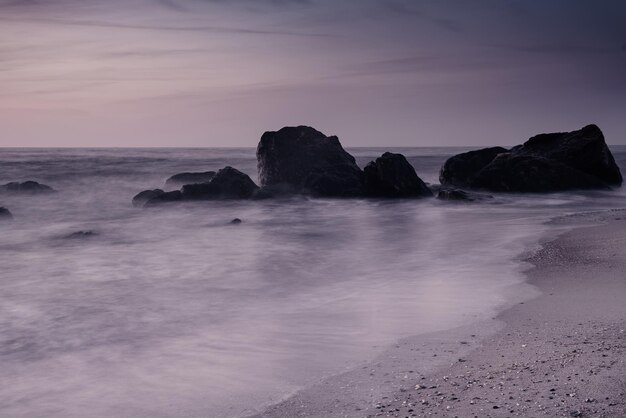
203,73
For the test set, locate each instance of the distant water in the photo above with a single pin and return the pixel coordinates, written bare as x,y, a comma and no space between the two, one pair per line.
173,312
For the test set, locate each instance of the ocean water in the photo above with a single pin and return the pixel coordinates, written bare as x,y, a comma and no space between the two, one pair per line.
174,312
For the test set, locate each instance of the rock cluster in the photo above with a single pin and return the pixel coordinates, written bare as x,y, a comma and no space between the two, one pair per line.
298,161
545,163
303,161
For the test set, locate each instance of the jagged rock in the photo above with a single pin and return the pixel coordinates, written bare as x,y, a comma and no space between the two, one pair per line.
27,187
5,215
228,183
545,163
461,195
391,175
304,160
178,180
142,197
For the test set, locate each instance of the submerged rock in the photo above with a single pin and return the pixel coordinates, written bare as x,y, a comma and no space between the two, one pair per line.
547,162
142,197
228,183
180,179
236,221
81,235
305,161
391,175
27,187
166,197
461,195
5,215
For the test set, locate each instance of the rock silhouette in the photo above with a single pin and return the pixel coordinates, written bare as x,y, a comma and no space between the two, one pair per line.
303,160
545,163
392,176
228,183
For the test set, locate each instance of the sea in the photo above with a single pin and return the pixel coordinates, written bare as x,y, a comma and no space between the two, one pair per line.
172,311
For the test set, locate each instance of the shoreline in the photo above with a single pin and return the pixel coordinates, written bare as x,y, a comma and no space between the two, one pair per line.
555,353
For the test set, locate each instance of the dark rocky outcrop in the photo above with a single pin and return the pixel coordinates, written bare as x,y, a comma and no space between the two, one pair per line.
27,187
142,197
228,183
5,215
304,160
459,195
391,175
178,180
545,163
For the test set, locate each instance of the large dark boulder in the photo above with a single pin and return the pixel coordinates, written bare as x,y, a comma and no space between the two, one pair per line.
304,160
584,150
391,175
228,183
27,187
142,197
180,179
545,163
5,215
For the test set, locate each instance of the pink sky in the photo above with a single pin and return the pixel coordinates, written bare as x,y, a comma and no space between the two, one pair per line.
374,72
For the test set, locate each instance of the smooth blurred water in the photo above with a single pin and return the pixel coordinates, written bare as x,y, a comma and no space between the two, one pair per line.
173,312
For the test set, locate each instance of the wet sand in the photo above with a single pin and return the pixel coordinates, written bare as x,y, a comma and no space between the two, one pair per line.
559,353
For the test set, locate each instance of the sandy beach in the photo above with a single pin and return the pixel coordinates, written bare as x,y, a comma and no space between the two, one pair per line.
556,352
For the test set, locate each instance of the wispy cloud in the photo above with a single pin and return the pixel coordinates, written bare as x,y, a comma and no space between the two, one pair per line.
433,64
556,48
413,9
150,27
